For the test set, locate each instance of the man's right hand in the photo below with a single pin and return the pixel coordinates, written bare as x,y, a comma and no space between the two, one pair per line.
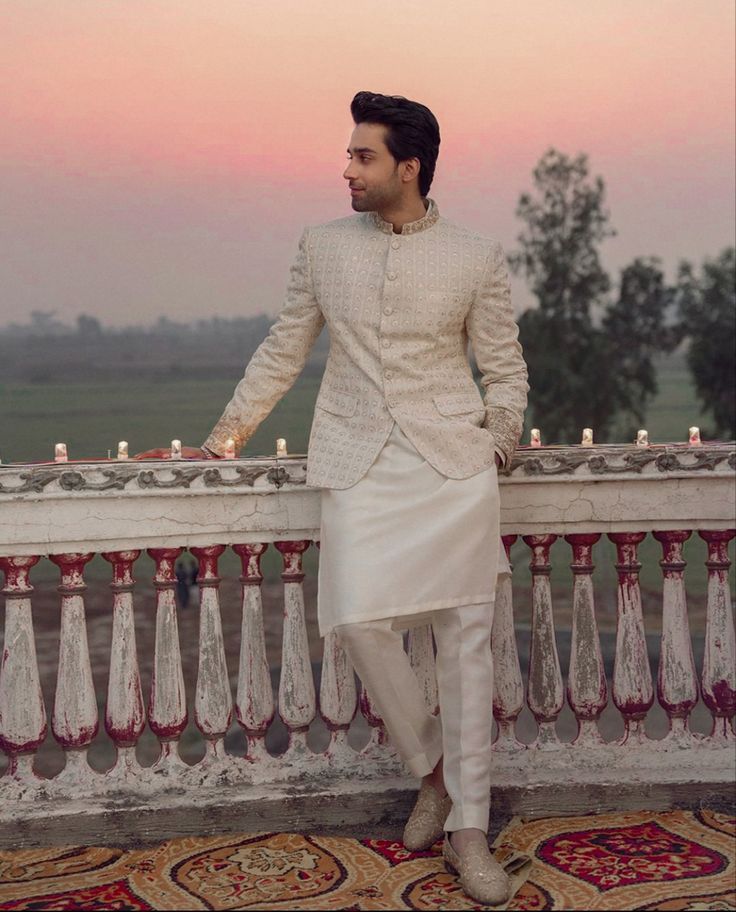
165,453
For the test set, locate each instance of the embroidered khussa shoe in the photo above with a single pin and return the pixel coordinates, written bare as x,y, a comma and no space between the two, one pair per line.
481,876
426,822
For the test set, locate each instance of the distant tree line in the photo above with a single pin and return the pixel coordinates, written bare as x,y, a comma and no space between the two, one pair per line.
45,350
590,342
590,346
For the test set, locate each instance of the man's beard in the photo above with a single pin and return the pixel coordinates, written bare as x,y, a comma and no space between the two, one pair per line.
368,201
373,200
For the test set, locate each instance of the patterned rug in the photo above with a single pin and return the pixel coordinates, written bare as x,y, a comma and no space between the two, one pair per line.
666,861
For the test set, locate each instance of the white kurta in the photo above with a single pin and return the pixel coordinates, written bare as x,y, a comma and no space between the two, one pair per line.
405,541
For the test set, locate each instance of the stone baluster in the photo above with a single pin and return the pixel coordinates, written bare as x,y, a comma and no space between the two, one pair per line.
633,694
508,685
125,715
297,697
379,746
74,721
22,710
545,691
719,660
167,708
587,692
254,705
677,683
338,699
213,701
420,647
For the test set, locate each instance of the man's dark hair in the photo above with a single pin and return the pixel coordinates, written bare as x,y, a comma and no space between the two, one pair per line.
413,131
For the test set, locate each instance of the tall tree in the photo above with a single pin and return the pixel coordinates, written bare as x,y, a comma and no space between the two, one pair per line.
590,358
706,304
636,326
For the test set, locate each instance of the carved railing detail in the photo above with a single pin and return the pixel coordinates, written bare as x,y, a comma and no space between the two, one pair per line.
68,513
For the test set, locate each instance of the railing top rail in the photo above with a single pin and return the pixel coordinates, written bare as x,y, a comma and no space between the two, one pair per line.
58,507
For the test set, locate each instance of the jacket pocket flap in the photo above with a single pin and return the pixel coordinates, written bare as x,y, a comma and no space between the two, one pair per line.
458,403
337,403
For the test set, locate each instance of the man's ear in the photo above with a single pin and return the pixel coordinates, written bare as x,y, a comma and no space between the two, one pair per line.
410,168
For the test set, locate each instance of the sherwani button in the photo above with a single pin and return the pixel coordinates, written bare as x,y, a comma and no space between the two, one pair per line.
391,276
388,310
395,244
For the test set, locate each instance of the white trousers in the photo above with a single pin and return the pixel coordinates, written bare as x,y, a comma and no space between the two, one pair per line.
461,734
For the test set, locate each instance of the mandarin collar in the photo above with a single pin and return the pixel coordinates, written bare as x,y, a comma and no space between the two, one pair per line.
426,221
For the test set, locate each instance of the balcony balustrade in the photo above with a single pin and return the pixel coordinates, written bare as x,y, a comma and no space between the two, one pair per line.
69,512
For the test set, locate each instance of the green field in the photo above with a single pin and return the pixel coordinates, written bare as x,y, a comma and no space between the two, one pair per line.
91,419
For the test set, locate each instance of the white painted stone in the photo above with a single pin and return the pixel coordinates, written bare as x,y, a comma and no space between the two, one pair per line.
508,686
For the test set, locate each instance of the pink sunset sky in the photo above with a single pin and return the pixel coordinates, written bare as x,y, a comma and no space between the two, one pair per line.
162,157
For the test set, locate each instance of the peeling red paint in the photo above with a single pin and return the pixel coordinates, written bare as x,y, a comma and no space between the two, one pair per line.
540,545
250,558
291,552
582,551
633,692
719,662
545,694
72,570
207,559
165,559
721,700
122,568
17,571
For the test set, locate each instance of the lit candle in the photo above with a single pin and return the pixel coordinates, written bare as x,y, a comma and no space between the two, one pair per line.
587,437
229,448
642,438
176,449
695,437
281,447
60,453
123,449
536,437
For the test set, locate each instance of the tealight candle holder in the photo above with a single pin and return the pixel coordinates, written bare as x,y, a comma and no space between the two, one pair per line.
642,438
281,447
123,449
60,453
229,448
176,449
587,437
536,437
694,437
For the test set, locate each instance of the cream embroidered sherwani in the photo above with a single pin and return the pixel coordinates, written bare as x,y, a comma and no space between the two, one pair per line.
401,309
403,446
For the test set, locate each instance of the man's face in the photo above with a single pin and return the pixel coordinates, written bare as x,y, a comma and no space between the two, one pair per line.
373,175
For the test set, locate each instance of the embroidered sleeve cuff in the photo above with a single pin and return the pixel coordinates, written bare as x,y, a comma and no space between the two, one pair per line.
506,428
216,443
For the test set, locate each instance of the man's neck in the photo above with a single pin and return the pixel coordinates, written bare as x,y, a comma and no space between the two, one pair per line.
409,211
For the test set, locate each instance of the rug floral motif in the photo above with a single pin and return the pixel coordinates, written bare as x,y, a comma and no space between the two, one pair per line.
660,861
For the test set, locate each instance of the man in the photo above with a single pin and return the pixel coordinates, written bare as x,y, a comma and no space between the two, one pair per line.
406,453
